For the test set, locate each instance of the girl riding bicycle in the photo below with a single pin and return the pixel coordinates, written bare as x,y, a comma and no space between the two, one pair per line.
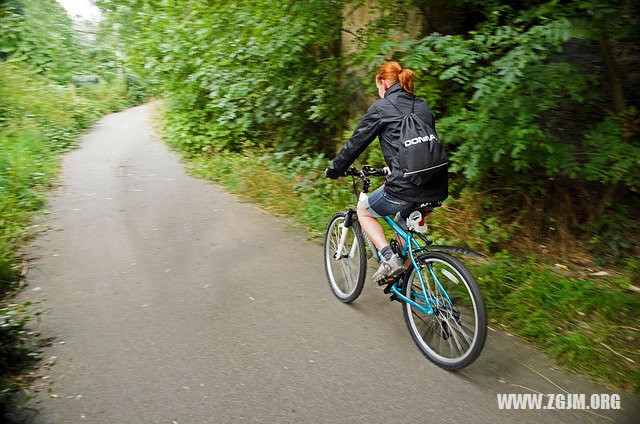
398,195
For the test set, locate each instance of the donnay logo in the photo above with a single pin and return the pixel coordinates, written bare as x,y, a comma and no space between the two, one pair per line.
417,140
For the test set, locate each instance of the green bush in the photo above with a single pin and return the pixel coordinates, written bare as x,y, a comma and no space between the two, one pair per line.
273,80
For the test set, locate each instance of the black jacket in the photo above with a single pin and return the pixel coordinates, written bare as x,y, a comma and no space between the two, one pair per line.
383,120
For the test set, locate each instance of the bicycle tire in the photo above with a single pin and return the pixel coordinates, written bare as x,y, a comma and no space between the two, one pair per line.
350,293
480,315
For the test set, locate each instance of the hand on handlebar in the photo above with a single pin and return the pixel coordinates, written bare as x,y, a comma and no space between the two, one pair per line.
374,172
364,172
330,173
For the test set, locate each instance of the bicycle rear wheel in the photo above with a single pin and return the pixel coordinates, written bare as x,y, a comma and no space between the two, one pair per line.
346,272
454,335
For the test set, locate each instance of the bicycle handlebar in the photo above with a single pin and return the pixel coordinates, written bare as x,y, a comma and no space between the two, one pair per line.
367,171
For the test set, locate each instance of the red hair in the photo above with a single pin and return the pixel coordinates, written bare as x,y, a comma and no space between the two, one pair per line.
392,72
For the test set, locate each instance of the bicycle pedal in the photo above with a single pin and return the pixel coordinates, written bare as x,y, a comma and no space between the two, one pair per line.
393,297
387,280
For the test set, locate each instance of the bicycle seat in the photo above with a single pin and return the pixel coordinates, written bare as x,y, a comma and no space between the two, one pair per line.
424,209
429,206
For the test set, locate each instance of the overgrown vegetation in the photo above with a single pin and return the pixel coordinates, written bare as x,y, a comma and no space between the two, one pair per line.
237,73
41,115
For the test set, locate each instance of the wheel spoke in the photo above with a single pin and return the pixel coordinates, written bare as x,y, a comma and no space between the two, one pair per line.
464,334
452,332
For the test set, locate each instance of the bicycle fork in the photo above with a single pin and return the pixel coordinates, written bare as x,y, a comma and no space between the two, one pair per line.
344,230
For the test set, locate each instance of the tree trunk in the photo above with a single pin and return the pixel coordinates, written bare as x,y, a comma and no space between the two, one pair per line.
613,77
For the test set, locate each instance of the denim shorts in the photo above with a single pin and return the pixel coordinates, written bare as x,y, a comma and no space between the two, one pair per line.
380,203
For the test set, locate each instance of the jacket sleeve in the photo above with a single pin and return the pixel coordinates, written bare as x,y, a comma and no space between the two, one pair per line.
364,134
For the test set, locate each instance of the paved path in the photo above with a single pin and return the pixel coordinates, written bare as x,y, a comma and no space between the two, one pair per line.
172,302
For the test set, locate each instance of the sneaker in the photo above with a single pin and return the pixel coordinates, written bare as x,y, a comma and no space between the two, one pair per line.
388,268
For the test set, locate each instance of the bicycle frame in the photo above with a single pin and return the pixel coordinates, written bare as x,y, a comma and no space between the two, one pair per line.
407,248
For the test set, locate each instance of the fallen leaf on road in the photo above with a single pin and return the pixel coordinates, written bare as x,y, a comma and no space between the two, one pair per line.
53,395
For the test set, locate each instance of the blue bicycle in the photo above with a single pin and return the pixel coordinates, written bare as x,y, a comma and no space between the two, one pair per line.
442,304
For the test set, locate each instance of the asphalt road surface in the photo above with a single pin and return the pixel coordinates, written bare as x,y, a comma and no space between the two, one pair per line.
170,301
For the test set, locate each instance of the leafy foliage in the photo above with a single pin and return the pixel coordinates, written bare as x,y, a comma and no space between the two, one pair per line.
269,81
39,33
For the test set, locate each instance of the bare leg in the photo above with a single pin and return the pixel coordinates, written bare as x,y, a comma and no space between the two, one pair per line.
372,227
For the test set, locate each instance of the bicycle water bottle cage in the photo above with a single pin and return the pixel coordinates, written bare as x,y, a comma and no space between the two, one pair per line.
416,222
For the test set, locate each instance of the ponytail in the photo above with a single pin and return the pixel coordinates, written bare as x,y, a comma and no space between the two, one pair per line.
392,72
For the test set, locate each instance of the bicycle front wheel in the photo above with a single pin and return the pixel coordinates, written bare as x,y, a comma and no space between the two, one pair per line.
452,336
345,258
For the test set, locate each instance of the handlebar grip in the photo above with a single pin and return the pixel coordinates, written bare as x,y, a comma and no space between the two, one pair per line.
351,171
367,171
